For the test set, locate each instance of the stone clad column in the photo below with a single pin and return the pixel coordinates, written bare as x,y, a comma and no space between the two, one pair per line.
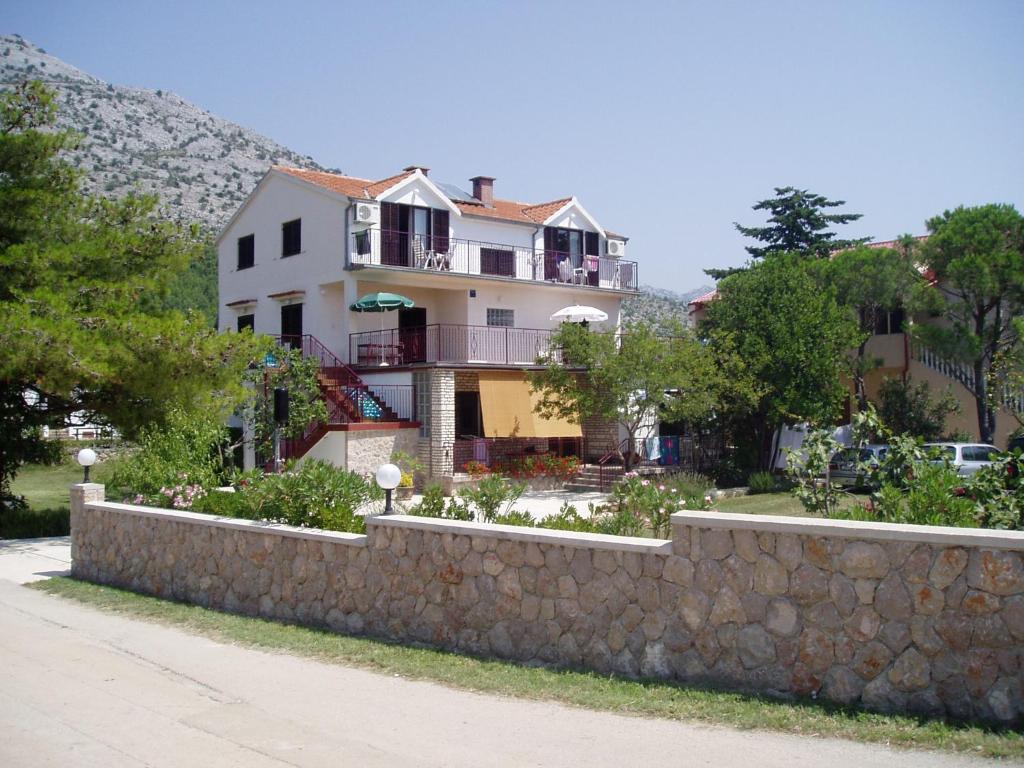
82,494
442,422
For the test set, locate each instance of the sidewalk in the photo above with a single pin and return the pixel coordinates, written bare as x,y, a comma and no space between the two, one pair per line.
25,560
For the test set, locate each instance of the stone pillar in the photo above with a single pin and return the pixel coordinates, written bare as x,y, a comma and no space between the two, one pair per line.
82,494
442,422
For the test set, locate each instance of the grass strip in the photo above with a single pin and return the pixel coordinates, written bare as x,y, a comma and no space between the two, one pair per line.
648,698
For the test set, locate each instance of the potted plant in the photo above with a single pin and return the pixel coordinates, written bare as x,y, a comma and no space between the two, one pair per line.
409,465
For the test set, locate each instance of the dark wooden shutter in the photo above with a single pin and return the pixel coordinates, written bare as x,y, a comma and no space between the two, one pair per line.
439,228
291,237
550,256
246,251
390,252
590,261
497,261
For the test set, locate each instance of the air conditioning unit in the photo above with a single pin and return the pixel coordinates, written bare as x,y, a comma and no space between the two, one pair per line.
367,213
616,247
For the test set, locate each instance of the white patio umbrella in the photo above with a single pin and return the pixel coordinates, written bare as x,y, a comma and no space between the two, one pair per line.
578,313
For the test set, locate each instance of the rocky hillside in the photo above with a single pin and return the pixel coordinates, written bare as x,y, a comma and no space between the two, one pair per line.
202,166
658,305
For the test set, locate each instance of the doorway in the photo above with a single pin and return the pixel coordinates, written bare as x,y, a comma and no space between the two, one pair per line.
412,334
291,325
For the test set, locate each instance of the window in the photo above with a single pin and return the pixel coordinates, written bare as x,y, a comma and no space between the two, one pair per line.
468,421
882,322
505,318
247,321
291,237
246,251
977,453
497,261
421,387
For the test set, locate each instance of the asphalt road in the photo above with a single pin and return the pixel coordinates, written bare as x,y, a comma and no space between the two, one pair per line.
79,687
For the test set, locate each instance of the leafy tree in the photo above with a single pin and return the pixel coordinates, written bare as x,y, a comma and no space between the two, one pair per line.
909,409
870,282
791,340
1008,374
628,377
196,288
306,405
977,257
81,319
799,223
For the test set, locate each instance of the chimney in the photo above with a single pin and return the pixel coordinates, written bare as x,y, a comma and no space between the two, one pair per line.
425,171
483,189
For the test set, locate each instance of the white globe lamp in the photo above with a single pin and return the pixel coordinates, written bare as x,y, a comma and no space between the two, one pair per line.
388,478
86,457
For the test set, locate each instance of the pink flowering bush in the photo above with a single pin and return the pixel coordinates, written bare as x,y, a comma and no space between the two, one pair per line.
655,498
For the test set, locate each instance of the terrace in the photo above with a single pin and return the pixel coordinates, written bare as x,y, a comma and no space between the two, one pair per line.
450,345
450,255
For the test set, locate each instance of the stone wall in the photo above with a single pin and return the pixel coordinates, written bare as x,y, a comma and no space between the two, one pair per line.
368,449
887,617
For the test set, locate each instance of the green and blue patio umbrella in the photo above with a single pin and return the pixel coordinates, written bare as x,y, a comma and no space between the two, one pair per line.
382,302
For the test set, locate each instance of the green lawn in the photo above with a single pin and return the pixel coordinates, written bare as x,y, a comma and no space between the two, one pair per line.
780,503
46,491
646,698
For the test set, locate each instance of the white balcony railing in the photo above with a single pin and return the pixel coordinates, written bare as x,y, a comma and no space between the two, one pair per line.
374,247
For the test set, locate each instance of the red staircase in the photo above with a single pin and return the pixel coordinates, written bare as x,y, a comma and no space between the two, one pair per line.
348,398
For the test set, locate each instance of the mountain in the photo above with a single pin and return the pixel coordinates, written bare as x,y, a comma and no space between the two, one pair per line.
200,165
658,305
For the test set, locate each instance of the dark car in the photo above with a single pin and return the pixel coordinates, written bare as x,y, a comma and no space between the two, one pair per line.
1016,444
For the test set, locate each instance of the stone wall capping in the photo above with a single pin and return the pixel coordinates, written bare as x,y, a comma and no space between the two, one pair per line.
854,529
197,518
534,535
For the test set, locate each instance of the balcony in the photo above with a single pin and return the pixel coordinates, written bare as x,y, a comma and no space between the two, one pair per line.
450,255
450,345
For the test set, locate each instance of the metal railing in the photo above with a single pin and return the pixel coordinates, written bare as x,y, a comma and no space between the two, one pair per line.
350,399
452,255
1005,395
492,452
443,343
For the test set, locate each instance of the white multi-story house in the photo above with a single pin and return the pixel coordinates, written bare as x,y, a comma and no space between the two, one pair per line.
445,378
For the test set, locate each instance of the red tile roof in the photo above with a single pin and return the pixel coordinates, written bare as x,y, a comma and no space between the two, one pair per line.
350,186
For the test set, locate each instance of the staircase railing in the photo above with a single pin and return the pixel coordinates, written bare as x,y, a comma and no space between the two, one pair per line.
620,452
348,398
1008,396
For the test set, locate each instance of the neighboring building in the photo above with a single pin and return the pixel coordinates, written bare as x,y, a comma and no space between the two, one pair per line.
445,378
891,344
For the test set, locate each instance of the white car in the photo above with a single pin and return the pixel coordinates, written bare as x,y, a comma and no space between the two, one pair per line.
965,458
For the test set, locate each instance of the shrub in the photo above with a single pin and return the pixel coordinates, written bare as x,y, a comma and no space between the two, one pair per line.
493,496
762,482
315,495
997,493
432,504
568,519
653,500
184,453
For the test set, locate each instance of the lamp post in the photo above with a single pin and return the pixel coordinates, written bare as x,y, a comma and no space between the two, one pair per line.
388,478
86,457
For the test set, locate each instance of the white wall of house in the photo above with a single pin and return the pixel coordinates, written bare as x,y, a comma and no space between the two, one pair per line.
327,289
321,262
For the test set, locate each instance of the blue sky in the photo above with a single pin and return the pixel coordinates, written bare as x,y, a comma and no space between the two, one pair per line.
667,120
